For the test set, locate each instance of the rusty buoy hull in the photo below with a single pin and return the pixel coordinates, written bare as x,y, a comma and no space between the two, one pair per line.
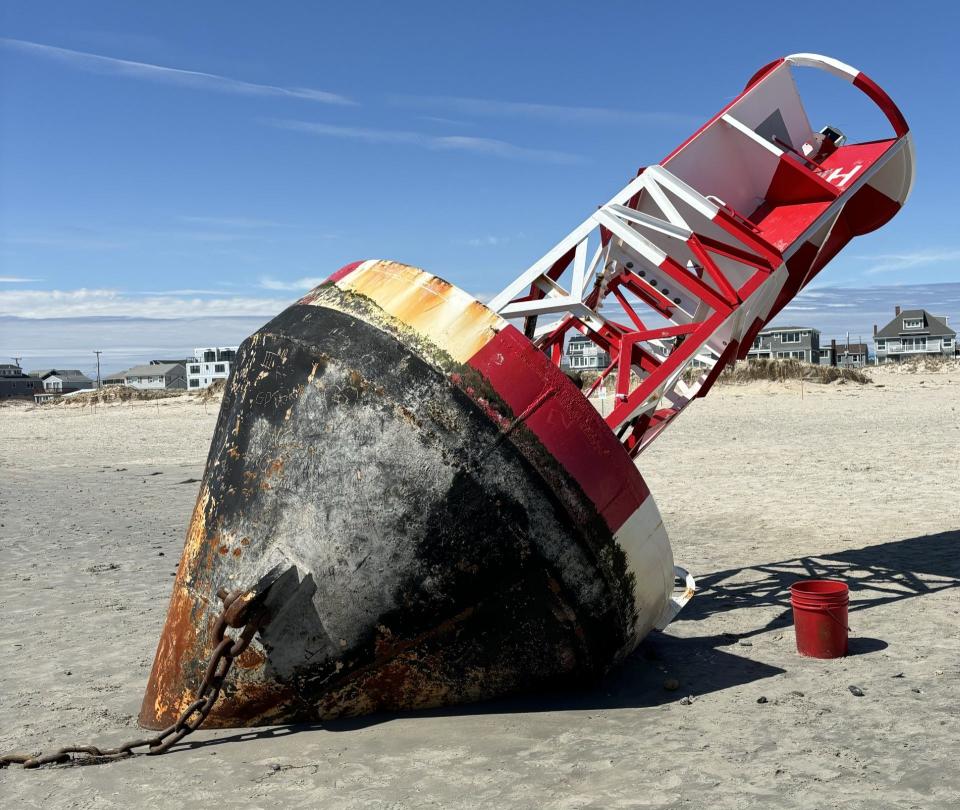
456,520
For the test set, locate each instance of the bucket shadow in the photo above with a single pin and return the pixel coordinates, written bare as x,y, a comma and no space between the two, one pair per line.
861,645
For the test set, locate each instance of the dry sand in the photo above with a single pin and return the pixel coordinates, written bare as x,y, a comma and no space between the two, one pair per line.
758,486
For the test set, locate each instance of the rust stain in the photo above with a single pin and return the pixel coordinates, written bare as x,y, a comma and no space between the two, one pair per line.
444,314
177,639
249,659
236,552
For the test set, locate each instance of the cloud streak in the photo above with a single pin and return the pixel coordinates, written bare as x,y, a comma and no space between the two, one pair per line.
893,262
492,108
452,143
108,65
235,222
85,303
297,285
16,280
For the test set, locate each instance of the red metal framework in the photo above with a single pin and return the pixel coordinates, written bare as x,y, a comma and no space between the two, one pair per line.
693,257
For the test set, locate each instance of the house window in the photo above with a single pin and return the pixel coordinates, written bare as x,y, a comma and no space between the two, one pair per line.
194,383
194,369
881,345
790,337
218,368
947,342
917,344
227,354
209,356
912,323
799,355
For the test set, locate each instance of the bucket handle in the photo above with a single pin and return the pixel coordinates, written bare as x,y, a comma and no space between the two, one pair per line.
825,609
677,602
830,614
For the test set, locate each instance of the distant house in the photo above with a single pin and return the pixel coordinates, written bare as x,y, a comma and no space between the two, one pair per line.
584,355
210,364
14,383
63,381
852,355
786,343
157,376
914,332
117,378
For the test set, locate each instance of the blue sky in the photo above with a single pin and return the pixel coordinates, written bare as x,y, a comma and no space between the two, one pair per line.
174,174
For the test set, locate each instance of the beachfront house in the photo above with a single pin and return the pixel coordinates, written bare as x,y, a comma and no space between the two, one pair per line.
117,378
786,343
209,365
849,355
584,355
63,381
914,333
14,383
157,377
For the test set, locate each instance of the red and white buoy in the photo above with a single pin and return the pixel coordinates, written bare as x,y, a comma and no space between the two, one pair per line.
454,519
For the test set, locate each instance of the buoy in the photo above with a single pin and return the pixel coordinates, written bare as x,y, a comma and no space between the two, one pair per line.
454,518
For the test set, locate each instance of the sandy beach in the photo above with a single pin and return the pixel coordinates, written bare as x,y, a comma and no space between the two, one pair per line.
758,484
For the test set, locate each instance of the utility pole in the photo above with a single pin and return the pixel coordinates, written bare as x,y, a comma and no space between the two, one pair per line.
98,353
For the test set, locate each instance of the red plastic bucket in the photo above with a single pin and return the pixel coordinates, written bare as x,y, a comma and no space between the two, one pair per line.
820,617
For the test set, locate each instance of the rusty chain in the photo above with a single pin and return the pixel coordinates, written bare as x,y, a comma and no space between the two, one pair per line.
242,610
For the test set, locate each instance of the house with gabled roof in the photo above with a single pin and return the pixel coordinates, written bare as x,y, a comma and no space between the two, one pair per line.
786,343
63,381
157,376
912,333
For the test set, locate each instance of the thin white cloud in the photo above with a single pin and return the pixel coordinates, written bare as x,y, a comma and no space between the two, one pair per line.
84,303
78,240
300,284
17,280
234,222
460,143
494,108
109,65
487,241
892,262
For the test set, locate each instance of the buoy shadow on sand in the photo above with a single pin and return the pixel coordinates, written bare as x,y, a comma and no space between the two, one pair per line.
877,575
637,682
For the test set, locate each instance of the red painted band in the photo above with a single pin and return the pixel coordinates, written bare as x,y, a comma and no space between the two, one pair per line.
346,270
567,425
879,97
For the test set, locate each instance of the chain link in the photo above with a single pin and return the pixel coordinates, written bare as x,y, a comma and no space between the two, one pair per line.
242,609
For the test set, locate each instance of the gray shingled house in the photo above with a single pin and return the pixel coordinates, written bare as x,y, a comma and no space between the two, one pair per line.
914,332
14,383
786,342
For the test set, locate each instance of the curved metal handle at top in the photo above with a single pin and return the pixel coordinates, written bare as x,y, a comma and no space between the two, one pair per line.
857,78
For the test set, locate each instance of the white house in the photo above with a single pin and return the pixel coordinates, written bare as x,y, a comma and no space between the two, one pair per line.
583,354
156,376
63,381
210,364
914,332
